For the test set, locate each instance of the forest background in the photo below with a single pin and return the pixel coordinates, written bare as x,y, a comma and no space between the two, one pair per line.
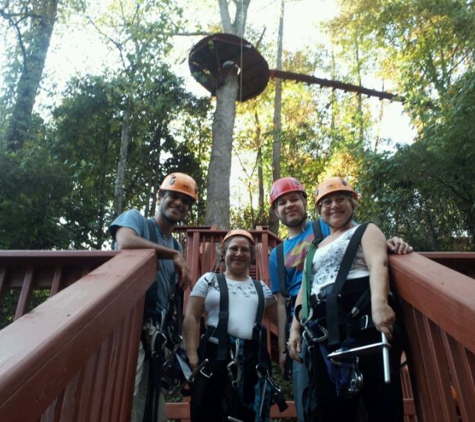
74,155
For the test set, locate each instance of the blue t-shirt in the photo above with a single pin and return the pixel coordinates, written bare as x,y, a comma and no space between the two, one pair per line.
295,250
158,295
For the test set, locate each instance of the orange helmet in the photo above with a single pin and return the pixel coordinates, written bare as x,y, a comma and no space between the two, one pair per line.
180,182
283,186
238,232
331,185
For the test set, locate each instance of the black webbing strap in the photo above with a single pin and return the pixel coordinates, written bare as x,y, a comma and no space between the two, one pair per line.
153,389
260,306
222,329
156,361
318,237
152,226
259,332
281,269
332,298
221,332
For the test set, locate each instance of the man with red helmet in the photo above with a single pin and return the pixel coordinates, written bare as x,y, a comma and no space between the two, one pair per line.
131,230
289,201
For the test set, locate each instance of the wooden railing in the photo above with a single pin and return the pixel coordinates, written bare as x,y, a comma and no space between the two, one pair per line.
462,262
72,358
439,313
202,252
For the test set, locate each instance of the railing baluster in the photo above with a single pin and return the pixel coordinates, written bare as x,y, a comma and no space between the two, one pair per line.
26,290
56,284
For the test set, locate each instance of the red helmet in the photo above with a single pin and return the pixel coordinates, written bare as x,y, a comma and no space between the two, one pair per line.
180,182
238,232
331,185
283,186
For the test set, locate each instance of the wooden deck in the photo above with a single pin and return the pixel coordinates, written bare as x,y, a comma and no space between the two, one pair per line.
73,357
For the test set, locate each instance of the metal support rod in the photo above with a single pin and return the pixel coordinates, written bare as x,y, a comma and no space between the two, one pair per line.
387,370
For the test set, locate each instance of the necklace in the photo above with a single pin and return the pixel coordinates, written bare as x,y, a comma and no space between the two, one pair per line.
161,236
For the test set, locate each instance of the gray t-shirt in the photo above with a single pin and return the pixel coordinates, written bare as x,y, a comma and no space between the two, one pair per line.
157,297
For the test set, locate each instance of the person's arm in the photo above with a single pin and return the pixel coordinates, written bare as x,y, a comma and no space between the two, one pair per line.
127,238
375,254
281,326
191,329
280,308
271,311
294,344
398,246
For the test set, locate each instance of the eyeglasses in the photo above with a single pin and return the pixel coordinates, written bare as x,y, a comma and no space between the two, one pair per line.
339,200
175,196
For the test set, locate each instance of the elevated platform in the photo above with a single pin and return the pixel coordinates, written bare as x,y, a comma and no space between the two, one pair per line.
73,357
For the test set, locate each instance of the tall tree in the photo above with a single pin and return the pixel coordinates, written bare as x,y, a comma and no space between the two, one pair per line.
273,220
33,23
219,172
427,47
141,45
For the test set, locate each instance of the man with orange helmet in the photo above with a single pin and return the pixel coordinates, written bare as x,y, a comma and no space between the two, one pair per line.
288,199
131,230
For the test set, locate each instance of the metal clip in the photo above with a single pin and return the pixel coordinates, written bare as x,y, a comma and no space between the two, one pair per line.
356,380
364,322
200,369
202,372
308,332
234,361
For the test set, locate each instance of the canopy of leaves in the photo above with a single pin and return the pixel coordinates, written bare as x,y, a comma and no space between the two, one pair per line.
58,190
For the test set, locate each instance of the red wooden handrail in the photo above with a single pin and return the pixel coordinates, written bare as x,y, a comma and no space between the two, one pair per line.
439,314
74,356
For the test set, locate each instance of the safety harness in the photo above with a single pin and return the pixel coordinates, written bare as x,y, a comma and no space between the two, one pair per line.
161,333
318,236
231,350
325,323
290,300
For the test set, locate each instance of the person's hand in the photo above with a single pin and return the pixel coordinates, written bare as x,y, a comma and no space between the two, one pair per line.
294,345
398,246
282,359
192,356
182,270
383,318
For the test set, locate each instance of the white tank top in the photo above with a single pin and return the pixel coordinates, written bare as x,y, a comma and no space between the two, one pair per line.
327,261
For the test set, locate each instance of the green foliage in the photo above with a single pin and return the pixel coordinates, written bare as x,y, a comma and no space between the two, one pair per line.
417,196
32,194
57,192
422,192
87,139
8,307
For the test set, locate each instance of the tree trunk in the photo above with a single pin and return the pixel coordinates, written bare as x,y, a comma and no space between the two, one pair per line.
34,57
360,99
260,177
124,146
273,220
219,171
239,25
